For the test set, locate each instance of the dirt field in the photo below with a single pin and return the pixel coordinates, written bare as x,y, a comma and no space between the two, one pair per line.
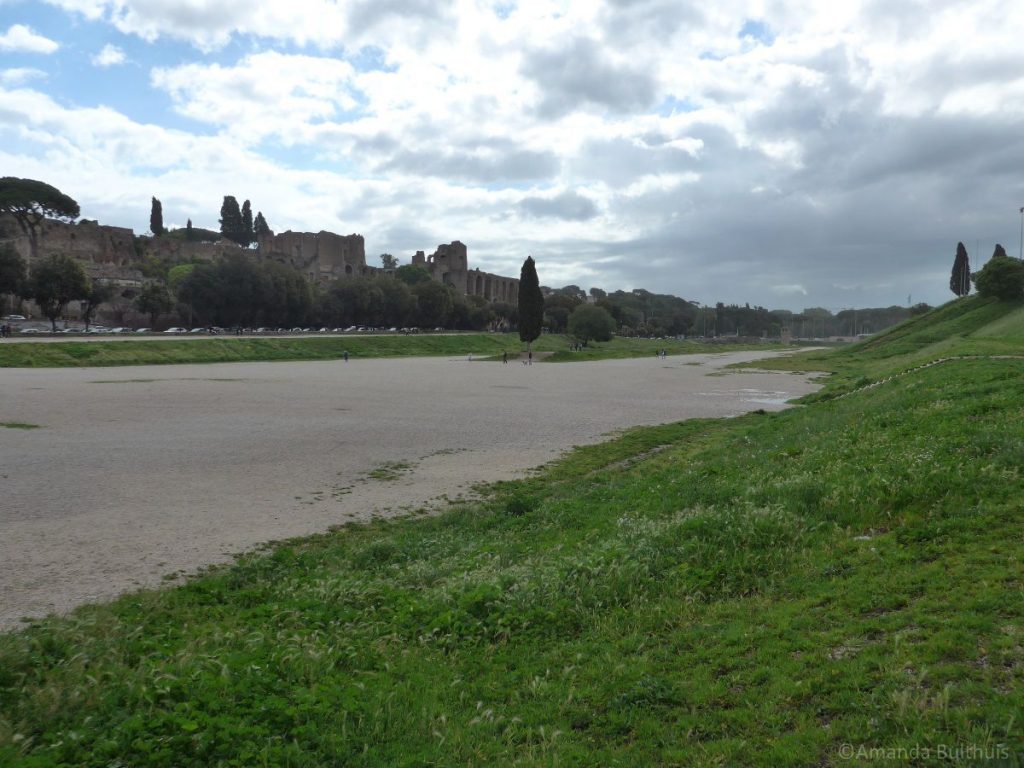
137,473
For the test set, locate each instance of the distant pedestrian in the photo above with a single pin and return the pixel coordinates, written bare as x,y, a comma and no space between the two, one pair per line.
470,358
529,357
504,357
344,355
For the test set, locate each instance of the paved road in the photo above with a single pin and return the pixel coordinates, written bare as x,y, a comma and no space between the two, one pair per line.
139,472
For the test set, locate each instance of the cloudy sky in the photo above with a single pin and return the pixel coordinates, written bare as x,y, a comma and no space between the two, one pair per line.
788,154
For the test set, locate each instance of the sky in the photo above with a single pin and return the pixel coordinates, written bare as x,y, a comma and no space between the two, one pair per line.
783,154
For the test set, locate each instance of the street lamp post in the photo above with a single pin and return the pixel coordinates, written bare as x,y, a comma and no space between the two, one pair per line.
1021,256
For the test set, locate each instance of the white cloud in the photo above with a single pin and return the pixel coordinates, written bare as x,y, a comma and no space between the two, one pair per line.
611,136
109,56
265,94
11,78
794,289
21,38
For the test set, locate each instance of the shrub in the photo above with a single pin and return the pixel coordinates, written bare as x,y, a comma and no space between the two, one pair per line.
1001,278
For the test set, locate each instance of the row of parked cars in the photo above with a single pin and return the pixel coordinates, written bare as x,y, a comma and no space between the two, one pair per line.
213,330
350,329
99,329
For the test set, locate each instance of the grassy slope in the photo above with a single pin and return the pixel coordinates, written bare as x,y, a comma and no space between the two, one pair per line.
757,591
229,349
968,326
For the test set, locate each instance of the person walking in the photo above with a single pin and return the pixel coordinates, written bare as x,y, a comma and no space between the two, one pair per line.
345,355
504,357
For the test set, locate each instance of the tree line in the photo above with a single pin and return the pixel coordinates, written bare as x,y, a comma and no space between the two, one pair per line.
236,223
239,291
1002,277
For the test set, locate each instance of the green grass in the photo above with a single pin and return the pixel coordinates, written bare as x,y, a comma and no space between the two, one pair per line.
390,470
771,590
229,349
967,326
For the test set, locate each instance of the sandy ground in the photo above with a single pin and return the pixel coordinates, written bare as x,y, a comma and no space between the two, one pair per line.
136,473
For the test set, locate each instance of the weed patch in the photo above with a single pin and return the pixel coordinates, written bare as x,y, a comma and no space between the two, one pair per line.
856,563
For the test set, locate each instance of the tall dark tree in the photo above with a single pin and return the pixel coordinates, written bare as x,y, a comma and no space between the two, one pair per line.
260,226
960,279
248,234
98,293
156,218
531,303
189,234
1002,277
231,225
590,322
412,274
30,201
434,303
388,261
55,281
154,300
13,272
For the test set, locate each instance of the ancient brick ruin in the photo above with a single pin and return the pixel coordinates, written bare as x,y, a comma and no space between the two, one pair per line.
115,254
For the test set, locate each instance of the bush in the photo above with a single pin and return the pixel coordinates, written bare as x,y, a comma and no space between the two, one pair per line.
591,322
1001,278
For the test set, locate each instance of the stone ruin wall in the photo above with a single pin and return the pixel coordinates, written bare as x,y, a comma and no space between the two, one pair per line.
449,264
106,252
114,254
320,256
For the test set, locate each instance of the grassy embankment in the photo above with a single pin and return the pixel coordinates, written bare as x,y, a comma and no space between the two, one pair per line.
970,326
233,349
780,589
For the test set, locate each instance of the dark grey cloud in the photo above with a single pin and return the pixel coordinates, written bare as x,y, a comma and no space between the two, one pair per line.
365,15
569,206
476,164
581,75
377,144
621,161
632,22
402,241
871,213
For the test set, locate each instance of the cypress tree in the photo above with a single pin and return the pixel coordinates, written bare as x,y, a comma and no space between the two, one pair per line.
231,220
960,279
260,226
531,303
248,235
156,218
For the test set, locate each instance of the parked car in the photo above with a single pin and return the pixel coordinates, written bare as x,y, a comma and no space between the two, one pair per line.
30,330
198,330
119,329
175,330
14,317
142,330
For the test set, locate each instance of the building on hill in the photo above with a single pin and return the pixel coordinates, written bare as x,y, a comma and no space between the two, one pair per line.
449,264
116,254
320,256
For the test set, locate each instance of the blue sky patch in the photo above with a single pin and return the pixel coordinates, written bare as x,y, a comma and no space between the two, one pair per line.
758,30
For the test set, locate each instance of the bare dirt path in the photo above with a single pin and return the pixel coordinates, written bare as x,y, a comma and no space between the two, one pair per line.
136,473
